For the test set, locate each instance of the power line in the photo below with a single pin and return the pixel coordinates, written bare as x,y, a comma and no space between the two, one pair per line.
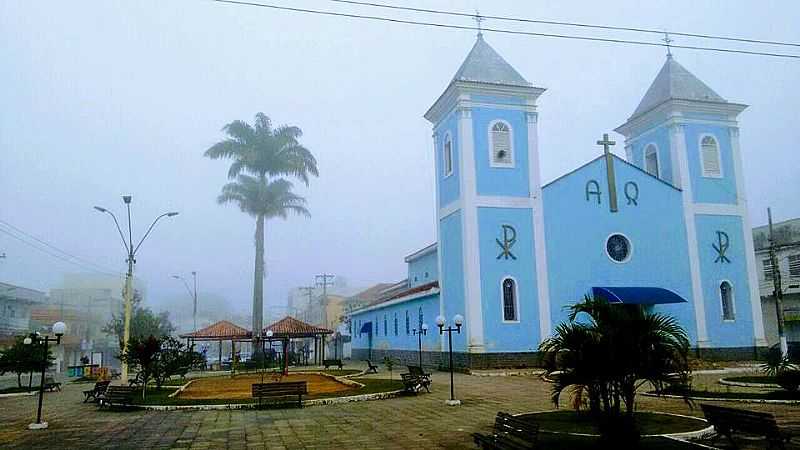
504,31
569,24
56,252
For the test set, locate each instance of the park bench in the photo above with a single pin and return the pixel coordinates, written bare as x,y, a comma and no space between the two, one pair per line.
51,384
727,421
416,379
117,395
371,368
115,374
277,390
510,433
98,390
332,362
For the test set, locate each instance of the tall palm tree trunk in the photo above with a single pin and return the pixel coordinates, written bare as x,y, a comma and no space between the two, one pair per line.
258,281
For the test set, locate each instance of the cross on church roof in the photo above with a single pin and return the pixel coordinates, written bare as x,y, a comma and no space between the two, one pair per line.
606,143
612,182
667,41
478,19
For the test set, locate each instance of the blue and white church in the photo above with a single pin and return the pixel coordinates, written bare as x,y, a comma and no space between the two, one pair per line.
666,227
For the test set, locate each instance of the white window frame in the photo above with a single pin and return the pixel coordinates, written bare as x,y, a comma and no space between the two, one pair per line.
630,244
767,262
448,138
703,172
516,300
658,159
722,305
511,154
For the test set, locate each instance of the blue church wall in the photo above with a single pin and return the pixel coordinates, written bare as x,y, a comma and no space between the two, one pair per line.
739,332
501,181
452,276
704,189
577,230
523,334
660,137
449,189
401,338
423,270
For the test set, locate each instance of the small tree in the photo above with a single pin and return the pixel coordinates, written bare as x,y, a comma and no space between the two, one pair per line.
389,362
142,355
144,322
21,358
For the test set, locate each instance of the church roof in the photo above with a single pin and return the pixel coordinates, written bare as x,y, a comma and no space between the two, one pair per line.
674,82
484,65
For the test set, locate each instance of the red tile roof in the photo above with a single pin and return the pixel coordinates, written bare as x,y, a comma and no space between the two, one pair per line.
221,330
414,290
291,327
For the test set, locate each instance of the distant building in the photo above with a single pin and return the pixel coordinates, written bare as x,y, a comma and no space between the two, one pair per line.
16,303
787,242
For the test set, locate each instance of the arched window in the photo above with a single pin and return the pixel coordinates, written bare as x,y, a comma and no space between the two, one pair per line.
726,296
408,323
710,157
447,155
509,300
395,324
500,144
651,160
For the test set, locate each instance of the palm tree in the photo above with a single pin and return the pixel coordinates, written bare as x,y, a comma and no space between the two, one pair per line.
262,200
607,355
261,154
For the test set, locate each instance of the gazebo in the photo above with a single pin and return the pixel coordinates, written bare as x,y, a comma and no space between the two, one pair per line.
219,331
290,328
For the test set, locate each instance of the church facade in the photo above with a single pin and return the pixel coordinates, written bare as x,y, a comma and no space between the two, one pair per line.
666,227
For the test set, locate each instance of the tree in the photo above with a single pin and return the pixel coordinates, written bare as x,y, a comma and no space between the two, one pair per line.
23,358
158,359
266,154
603,360
144,322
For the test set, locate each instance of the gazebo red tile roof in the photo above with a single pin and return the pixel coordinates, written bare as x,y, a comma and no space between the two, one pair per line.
222,330
289,327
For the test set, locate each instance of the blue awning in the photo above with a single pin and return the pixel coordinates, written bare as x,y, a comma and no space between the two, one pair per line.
366,328
637,295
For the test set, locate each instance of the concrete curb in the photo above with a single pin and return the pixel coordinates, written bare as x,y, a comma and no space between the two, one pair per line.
19,394
750,385
507,373
696,434
733,400
182,388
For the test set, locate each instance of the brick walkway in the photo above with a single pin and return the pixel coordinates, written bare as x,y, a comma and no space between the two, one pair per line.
421,422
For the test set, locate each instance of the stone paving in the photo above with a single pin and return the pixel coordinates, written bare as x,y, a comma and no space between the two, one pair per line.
421,422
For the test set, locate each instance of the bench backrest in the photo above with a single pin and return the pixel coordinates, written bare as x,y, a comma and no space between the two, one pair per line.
416,371
278,389
120,393
101,386
740,419
332,362
49,380
369,363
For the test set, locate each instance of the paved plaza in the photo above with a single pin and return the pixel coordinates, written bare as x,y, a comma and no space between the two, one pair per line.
420,422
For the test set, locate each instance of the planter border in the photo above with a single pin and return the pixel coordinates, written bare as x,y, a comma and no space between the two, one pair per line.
19,394
727,382
696,434
722,399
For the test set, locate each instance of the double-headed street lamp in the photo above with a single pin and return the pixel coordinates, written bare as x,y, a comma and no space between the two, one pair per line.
59,328
193,293
130,251
458,320
423,330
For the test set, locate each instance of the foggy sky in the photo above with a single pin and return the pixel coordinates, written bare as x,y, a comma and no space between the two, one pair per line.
100,99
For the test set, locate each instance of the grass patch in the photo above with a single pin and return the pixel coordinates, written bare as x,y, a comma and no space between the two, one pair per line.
763,379
772,395
161,396
581,422
16,390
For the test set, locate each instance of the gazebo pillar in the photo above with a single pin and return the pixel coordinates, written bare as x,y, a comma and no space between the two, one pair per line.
286,356
322,353
220,354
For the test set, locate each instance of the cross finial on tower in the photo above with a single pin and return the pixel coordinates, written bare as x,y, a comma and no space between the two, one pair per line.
667,41
478,19
606,143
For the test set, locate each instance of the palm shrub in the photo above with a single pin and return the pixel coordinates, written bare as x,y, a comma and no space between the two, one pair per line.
604,353
776,362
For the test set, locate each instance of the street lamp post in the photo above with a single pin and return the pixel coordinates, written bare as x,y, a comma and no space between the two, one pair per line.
193,294
458,320
35,338
423,330
130,251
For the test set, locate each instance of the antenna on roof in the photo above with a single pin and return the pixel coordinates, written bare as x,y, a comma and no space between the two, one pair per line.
478,19
667,41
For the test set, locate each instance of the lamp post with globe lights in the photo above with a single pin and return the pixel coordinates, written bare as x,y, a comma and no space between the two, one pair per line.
59,328
423,330
458,320
130,251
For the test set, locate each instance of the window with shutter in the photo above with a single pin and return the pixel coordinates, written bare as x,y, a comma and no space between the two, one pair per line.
794,266
447,153
500,145
726,296
767,264
651,160
509,290
710,158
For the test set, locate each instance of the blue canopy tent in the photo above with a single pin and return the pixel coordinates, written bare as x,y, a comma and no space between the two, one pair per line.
637,295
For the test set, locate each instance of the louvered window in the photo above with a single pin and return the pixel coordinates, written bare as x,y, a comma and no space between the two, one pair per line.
709,153
726,296
651,160
767,263
502,153
447,154
794,267
509,300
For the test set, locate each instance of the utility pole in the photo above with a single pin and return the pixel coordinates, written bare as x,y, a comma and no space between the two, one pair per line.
322,281
777,292
309,290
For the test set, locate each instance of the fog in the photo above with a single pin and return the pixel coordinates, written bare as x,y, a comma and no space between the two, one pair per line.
104,99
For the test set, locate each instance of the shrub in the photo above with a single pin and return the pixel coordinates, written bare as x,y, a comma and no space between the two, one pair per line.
775,362
789,379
